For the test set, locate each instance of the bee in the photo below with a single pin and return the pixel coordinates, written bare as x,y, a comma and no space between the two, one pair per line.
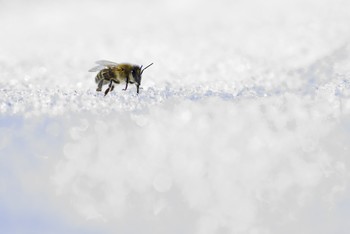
114,73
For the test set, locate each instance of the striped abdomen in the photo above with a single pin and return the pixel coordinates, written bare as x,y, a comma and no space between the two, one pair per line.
105,74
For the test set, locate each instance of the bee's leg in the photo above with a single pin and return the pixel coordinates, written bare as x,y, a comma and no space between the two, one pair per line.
112,88
126,86
127,82
107,91
137,88
99,86
109,88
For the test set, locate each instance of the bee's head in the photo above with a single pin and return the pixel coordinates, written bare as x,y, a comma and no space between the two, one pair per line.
137,74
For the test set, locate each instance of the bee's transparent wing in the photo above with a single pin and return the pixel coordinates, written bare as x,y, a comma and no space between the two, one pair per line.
97,68
102,64
106,63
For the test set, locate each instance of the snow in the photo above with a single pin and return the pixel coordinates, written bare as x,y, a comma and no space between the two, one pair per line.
241,126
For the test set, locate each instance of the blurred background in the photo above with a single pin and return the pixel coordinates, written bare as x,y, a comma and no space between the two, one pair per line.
189,40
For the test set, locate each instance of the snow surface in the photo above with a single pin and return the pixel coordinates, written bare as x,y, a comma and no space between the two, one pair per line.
242,125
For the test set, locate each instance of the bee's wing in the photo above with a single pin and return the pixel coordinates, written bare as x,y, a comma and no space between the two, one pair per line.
106,63
97,68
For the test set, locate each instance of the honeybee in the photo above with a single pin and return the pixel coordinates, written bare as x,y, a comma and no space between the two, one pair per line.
111,72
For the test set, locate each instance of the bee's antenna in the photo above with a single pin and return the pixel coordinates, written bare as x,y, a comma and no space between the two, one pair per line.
146,67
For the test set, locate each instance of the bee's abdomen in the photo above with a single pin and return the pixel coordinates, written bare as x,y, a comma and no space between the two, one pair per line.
105,74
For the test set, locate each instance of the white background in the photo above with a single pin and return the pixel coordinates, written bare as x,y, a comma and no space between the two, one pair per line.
242,125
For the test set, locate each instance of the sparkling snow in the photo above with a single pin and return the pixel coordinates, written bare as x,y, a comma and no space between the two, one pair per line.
242,124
